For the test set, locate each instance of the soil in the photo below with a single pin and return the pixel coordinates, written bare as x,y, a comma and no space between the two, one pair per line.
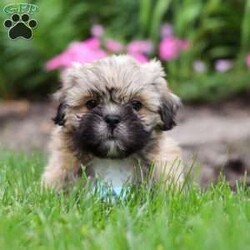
214,138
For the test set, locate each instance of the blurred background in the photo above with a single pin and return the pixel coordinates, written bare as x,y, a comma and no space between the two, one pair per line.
204,46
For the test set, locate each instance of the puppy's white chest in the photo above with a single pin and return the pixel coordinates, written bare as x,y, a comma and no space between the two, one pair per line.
113,172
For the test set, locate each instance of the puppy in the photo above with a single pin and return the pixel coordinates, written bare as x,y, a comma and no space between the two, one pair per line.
112,119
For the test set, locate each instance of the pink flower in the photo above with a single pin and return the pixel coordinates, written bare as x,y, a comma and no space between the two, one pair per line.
113,46
97,30
171,47
92,43
223,65
57,62
139,57
248,60
166,30
82,52
140,46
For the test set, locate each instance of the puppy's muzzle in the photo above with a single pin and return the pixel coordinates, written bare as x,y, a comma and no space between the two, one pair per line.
112,120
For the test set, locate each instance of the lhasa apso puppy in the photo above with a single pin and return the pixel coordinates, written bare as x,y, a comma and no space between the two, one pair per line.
112,122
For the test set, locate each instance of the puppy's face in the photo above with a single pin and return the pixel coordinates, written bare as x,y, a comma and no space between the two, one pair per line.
112,107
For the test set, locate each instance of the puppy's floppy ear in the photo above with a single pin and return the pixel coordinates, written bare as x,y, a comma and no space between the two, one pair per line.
59,119
170,104
68,79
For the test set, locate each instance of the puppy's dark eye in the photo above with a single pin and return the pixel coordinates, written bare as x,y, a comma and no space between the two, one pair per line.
91,104
136,105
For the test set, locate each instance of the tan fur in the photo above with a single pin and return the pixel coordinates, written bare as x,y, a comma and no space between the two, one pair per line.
131,80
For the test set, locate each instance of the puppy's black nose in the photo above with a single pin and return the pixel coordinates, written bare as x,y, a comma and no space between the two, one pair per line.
112,120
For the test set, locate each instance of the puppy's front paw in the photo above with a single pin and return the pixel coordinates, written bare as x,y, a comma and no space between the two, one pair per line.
53,180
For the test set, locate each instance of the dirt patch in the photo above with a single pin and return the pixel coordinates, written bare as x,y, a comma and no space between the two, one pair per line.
217,137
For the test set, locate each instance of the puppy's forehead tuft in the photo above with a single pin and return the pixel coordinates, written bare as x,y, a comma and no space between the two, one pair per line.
119,78
126,69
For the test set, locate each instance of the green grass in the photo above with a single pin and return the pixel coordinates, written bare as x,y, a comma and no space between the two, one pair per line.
32,219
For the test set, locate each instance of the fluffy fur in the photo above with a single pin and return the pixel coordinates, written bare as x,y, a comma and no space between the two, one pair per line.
114,109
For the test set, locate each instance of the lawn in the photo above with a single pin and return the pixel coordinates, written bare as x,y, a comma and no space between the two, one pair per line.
31,219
